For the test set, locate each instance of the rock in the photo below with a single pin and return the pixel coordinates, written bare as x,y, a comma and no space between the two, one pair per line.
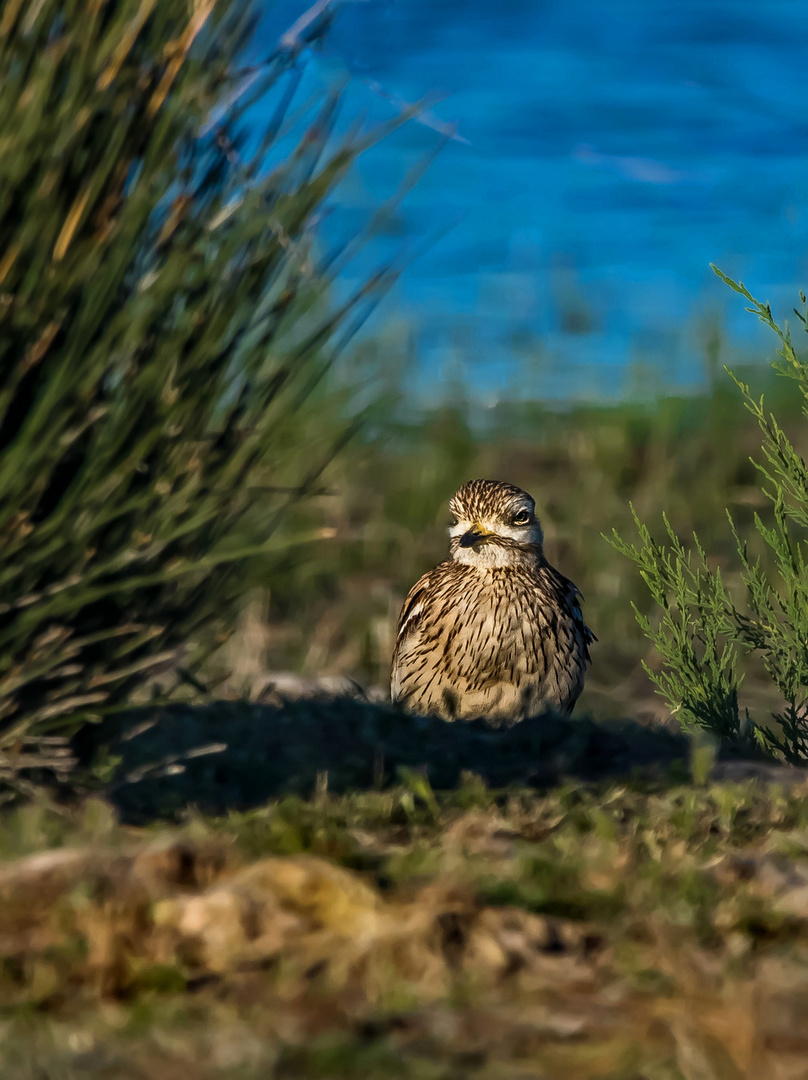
277,687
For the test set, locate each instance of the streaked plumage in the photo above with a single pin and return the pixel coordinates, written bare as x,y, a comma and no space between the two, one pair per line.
495,631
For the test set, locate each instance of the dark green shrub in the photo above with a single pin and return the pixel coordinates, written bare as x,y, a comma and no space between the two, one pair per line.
162,328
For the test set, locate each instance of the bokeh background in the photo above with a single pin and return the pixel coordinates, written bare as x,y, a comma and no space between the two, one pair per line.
556,323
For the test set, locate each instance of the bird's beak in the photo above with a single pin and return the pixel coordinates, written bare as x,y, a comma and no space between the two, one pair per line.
474,535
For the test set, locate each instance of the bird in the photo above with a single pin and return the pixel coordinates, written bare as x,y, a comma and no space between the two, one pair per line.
495,631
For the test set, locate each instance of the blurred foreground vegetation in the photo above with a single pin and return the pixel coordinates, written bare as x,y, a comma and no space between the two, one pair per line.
641,931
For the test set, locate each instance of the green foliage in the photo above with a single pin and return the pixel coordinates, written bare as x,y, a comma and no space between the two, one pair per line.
694,634
162,330
703,630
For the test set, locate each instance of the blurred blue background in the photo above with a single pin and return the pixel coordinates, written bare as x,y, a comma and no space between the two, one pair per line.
604,155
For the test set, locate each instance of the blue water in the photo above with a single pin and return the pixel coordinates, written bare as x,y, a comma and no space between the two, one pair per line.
606,153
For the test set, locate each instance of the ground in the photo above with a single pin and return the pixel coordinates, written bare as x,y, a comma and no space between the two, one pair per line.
652,924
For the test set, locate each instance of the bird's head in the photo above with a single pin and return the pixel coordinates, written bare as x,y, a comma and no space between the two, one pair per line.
494,524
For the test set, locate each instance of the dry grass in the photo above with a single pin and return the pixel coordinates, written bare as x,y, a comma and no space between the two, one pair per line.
588,932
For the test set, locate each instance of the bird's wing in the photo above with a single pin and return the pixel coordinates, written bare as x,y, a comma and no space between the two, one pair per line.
409,622
574,598
412,610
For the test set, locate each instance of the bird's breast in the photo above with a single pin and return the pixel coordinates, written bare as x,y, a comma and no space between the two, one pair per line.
494,620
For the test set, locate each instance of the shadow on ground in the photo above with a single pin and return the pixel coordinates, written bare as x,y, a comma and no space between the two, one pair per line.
156,762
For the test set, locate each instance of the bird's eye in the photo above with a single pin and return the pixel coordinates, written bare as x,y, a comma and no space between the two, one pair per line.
522,518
